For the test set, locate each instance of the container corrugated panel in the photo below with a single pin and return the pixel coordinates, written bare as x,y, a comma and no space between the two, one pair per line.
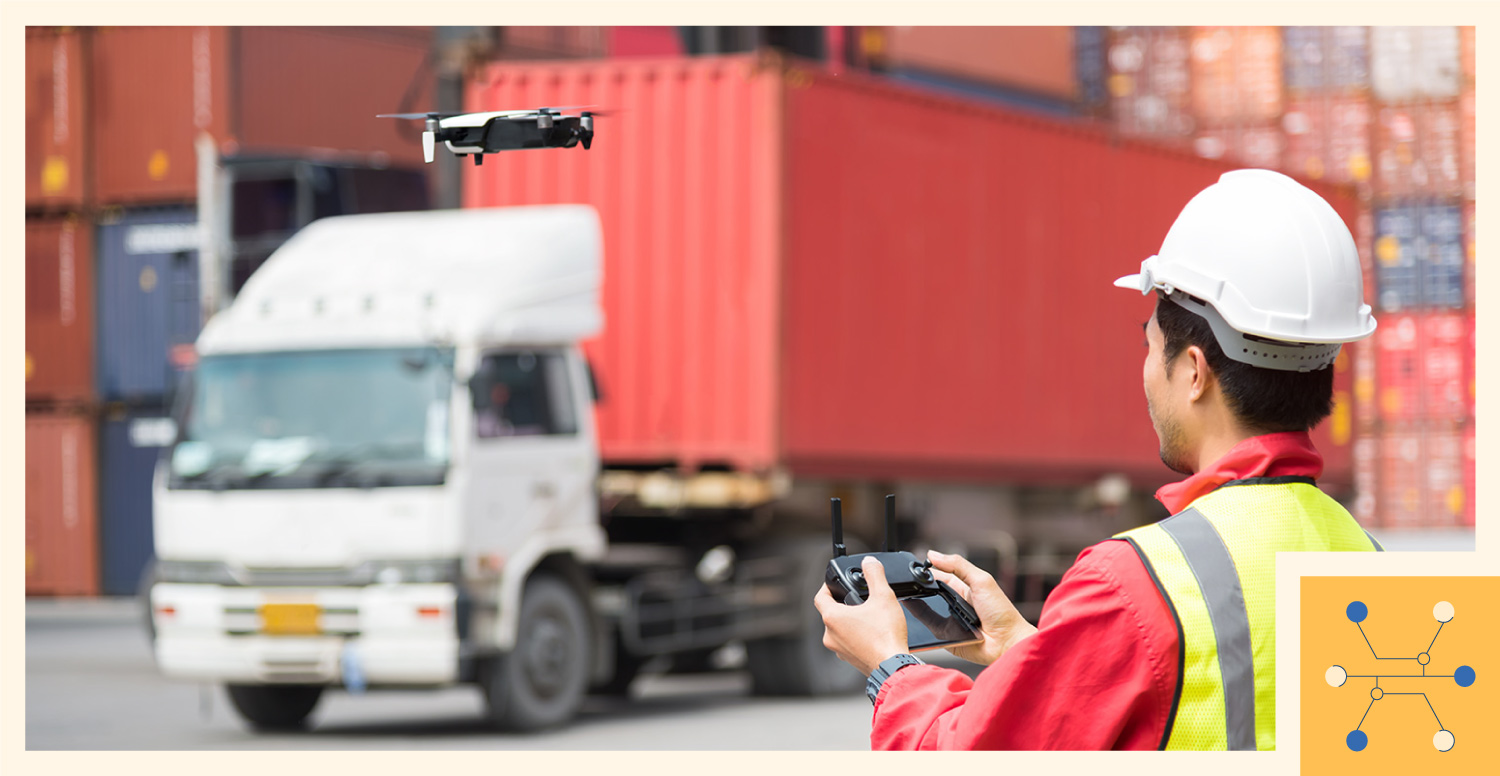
1398,344
688,357
1445,354
55,118
644,41
61,527
1466,52
59,310
148,314
1442,258
1036,59
1410,63
344,79
1149,83
130,441
1328,138
1091,66
1236,74
1366,450
1467,141
773,298
1417,150
1326,59
921,293
154,89
1397,251
1260,145
1402,477
1444,500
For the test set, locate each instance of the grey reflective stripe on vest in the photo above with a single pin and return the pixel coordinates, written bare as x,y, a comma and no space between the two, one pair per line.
1212,566
1378,548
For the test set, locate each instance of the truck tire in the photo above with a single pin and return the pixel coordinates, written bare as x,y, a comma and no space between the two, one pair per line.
798,663
542,681
275,706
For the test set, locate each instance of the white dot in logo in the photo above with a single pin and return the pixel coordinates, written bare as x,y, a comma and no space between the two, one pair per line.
1443,611
1443,740
1336,676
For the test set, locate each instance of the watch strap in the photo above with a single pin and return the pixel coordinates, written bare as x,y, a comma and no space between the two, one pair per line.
884,671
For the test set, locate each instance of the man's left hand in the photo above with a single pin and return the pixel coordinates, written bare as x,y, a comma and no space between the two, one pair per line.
865,634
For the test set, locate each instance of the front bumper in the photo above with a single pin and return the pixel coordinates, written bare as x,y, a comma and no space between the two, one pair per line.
384,634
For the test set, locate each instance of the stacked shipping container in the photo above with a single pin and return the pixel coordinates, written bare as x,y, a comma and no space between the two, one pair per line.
113,116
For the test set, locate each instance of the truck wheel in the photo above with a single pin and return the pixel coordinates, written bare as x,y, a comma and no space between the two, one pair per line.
541,682
275,706
798,663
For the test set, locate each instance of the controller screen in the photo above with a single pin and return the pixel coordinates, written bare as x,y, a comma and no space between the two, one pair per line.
930,623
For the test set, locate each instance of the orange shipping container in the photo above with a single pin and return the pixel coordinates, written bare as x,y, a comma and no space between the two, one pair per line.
1236,74
1467,140
1243,146
1034,59
61,526
1328,138
1417,150
1466,52
59,310
156,89
55,118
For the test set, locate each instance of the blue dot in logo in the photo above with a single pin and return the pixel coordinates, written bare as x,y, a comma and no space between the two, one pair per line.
1357,613
1357,741
1464,676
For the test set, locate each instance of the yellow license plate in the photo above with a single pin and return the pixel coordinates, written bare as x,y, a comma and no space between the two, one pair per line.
290,619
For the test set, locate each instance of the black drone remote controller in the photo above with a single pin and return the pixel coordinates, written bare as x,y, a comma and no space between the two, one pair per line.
908,575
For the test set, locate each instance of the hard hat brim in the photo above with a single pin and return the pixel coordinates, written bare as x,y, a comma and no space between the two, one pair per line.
1133,282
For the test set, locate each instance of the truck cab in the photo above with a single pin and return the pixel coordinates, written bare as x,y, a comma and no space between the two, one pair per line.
384,472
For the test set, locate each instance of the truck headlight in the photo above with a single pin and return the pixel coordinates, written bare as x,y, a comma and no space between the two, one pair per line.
194,572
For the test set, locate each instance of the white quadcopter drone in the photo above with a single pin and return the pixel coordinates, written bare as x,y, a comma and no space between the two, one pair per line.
478,134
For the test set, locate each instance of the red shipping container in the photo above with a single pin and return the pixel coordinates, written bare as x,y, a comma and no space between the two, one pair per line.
1149,83
1402,477
1445,355
59,310
1470,454
1470,359
1466,53
1366,455
774,299
1236,74
61,524
1034,59
156,89
1366,410
643,41
1242,146
1397,343
1466,141
1417,150
1328,138
55,118
1445,502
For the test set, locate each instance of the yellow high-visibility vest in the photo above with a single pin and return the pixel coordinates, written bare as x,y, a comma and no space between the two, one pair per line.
1215,565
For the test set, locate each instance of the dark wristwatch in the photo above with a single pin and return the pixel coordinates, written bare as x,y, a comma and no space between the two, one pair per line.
883,672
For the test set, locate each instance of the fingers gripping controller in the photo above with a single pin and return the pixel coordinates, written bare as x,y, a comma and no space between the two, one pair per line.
930,604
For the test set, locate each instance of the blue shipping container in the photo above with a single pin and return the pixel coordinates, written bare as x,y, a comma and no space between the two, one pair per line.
1419,253
1397,244
1089,66
148,301
1443,258
1326,58
130,443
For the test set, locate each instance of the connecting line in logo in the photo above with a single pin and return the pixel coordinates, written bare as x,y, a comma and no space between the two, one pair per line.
1336,676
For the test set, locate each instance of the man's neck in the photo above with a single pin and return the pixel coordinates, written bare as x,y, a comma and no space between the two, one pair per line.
1217,446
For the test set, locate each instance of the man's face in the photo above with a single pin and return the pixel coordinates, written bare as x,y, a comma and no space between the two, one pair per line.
1160,404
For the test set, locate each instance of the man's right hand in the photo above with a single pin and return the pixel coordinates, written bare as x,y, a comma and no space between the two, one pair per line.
1000,623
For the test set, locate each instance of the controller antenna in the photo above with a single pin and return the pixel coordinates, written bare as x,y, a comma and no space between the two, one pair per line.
890,523
836,506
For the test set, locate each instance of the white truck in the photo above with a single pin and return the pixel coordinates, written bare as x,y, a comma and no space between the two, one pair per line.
386,474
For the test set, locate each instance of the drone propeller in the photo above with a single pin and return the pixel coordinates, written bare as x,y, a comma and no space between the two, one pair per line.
417,115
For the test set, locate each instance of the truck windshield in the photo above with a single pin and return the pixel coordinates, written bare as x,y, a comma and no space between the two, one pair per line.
334,418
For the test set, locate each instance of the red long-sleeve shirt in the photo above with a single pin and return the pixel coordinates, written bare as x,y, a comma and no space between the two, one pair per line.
1101,670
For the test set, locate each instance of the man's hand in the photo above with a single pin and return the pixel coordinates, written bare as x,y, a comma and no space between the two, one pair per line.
865,634
1000,623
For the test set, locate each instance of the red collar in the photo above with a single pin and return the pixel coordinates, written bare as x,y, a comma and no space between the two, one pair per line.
1271,455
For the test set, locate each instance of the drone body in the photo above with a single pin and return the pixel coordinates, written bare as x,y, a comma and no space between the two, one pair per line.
477,134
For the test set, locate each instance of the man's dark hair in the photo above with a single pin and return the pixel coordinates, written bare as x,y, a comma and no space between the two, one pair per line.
1264,400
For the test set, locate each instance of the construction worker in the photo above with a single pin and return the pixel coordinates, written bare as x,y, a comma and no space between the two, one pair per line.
1163,637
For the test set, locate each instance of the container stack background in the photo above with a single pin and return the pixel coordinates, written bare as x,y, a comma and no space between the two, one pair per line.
112,270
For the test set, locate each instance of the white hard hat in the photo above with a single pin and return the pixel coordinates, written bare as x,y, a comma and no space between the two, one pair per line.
1264,256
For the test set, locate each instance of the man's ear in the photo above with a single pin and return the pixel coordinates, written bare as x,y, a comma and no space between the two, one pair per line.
1201,376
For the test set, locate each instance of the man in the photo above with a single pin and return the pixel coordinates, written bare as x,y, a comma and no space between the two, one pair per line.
1163,637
